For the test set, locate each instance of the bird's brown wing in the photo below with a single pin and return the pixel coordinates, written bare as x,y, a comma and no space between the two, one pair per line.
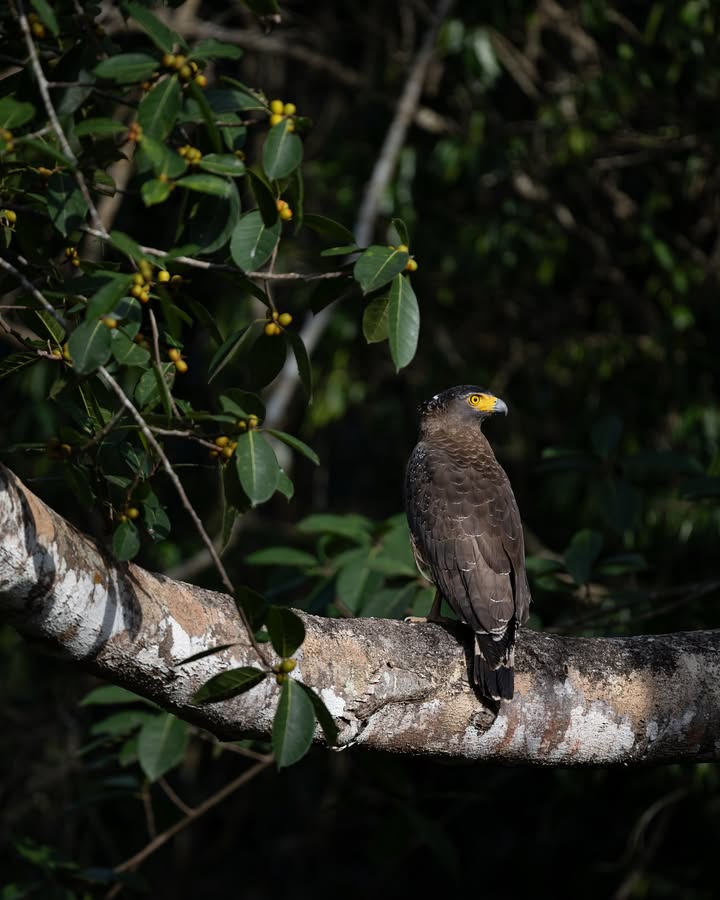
468,537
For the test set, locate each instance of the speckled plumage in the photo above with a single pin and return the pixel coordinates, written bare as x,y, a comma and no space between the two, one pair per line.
466,530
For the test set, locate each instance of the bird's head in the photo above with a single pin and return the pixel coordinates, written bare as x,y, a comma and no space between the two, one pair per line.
465,403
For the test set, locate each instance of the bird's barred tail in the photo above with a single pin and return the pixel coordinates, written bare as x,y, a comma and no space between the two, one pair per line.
493,666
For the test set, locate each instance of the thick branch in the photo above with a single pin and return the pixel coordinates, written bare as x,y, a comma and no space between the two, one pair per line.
391,686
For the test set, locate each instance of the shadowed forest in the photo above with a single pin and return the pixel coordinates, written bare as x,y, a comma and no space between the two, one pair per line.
555,182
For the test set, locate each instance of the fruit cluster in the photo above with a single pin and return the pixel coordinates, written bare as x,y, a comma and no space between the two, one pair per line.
412,262
190,154
280,111
7,136
277,322
36,26
283,208
175,356
186,69
72,255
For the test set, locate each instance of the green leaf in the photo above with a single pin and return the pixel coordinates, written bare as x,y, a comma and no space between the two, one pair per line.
281,556
212,49
89,346
344,250
253,605
377,266
161,745
110,694
228,684
160,158
605,435
47,15
375,320
354,577
252,241
257,467
619,503
293,725
403,322
242,404
162,36
354,527
126,351
199,98
402,232
329,228
213,220
99,128
303,362
106,298
127,245
698,488
296,444
285,485
580,556
205,184
127,67
126,541
222,164
204,653
159,108
149,390
264,198
122,723
155,519
621,564
235,346
322,714
282,151
14,113
11,364
65,202
155,191
286,630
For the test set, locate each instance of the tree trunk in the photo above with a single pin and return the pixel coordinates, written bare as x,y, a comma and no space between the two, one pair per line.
389,685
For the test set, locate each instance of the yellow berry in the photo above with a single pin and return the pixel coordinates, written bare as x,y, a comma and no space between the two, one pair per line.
253,421
412,265
133,512
176,280
11,216
110,322
277,107
228,451
173,354
163,276
144,297
402,248
181,366
38,29
222,440
275,119
242,424
146,269
287,665
66,450
122,518
69,252
285,319
239,154
201,81
169,60
66,353
291,126
57,353
185,72
281,205
75,262
138,279
214,453
179,61
289,109
136,290
281,677
286,214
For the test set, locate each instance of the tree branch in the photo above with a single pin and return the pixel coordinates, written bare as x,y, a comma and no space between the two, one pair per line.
389,685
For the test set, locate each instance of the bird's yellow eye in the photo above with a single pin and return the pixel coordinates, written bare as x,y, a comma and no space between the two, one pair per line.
483,402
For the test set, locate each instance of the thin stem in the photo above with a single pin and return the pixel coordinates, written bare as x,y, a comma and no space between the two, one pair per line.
30,288
172,475
158,366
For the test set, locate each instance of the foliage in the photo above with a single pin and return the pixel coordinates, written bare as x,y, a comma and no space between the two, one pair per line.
559,183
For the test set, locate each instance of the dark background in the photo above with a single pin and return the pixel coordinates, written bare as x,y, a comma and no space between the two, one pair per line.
560,184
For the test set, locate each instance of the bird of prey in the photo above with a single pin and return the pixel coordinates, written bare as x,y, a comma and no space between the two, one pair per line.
466,532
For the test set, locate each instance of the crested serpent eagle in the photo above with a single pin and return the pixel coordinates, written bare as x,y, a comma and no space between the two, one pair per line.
466,532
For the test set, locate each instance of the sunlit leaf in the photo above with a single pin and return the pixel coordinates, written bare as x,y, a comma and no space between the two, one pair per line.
227,684
257,466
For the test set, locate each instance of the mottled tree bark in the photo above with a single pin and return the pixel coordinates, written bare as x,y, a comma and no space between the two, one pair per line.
389,685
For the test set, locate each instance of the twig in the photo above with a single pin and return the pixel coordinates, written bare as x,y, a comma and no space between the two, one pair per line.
181,805
30,287
148,810
42,83
158,364
104,431
162,839
152,440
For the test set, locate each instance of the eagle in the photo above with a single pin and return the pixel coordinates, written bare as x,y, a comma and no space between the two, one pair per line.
466,532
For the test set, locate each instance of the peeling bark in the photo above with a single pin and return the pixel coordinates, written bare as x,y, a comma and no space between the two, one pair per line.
389,685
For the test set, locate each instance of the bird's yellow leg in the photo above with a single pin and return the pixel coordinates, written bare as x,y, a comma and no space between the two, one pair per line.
432,616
